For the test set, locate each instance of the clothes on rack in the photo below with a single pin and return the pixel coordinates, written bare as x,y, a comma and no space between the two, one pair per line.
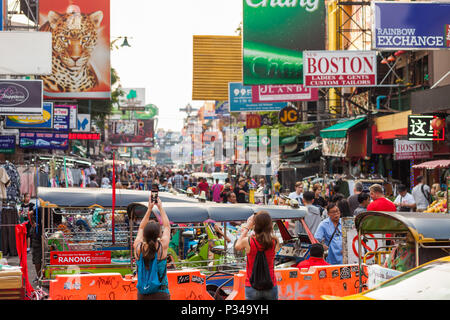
8,236
4,180
27,180
13,187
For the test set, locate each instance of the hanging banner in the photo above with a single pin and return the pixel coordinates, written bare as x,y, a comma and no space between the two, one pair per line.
340,68
240,99
411,25
275,35
81,48
79,257
43,121
44,140
20,97
334,147
283,93
7,144
412,150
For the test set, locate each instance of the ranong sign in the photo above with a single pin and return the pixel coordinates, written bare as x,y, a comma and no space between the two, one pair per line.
340,68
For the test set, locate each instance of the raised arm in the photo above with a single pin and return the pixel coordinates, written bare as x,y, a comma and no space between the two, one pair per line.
165,238
144,221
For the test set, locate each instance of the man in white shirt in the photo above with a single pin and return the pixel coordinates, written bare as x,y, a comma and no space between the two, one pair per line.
405,201
420,193
313,216
298,193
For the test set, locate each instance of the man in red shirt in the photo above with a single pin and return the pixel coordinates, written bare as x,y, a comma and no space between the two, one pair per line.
315,259
379,203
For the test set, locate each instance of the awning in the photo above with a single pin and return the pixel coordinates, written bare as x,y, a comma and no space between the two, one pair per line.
435,164
339,130
392,126
287,140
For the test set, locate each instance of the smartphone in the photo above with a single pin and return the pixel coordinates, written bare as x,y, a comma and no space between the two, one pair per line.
155,190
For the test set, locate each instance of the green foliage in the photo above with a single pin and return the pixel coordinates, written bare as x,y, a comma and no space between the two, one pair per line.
295,130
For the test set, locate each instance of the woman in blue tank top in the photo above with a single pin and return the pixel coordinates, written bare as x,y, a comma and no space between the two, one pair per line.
151,243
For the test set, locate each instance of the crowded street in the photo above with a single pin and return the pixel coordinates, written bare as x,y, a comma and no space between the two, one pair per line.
246,151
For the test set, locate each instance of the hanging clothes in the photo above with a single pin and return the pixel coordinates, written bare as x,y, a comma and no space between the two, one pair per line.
8,237
27,180
4,180
13,188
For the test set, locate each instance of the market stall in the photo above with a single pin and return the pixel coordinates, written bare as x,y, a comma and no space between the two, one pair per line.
440,203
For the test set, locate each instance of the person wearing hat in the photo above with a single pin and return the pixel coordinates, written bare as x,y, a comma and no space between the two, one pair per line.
241,191
316,252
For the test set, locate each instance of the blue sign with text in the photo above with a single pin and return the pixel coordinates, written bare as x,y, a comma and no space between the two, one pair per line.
240,100
44,140
411,25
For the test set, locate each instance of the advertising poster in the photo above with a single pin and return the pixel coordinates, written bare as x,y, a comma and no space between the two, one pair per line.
7,144
222,108
44,140
73,108
20,97
81,64
132,133
420,129
411,25
79,257
275,35
240,100
340,68
61,118
43,121
286,92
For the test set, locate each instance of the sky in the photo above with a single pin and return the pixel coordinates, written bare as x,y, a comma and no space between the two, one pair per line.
160,57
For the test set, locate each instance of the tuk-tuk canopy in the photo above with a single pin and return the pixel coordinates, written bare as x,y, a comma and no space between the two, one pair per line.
200,212
424,227
86,197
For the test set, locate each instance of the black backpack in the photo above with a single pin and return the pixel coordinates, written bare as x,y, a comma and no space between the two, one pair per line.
260,279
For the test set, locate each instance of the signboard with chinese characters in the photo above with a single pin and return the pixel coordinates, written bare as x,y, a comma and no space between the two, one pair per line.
412,150
281,93
340,68
420,129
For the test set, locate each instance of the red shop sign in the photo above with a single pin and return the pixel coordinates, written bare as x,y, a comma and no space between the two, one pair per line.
80,257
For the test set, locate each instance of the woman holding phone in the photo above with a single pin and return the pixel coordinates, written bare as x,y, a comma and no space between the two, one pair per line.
152,243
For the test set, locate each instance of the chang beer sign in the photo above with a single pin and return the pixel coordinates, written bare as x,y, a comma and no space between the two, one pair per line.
276,32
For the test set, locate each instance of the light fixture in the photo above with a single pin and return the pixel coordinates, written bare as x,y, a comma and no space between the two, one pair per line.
399,52
125,42
384,61
391,58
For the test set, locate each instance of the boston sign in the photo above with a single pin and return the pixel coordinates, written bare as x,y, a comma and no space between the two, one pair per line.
412,150
340,68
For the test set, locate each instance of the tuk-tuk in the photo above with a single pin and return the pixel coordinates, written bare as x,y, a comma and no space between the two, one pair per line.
77,229
427,235
194,222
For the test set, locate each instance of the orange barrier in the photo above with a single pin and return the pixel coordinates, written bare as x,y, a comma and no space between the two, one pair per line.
293,284
183,285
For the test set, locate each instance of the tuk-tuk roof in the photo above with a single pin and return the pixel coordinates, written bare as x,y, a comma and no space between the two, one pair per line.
424,227
86,197
199,212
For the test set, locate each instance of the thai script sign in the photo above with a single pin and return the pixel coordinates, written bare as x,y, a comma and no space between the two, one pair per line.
340,68
411,25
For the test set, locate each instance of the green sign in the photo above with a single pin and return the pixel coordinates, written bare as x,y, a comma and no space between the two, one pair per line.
276,32
150,112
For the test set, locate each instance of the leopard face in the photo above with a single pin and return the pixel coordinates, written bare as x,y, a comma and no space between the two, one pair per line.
74,37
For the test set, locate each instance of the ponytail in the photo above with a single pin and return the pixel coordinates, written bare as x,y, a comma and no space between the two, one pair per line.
151,234
149,253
